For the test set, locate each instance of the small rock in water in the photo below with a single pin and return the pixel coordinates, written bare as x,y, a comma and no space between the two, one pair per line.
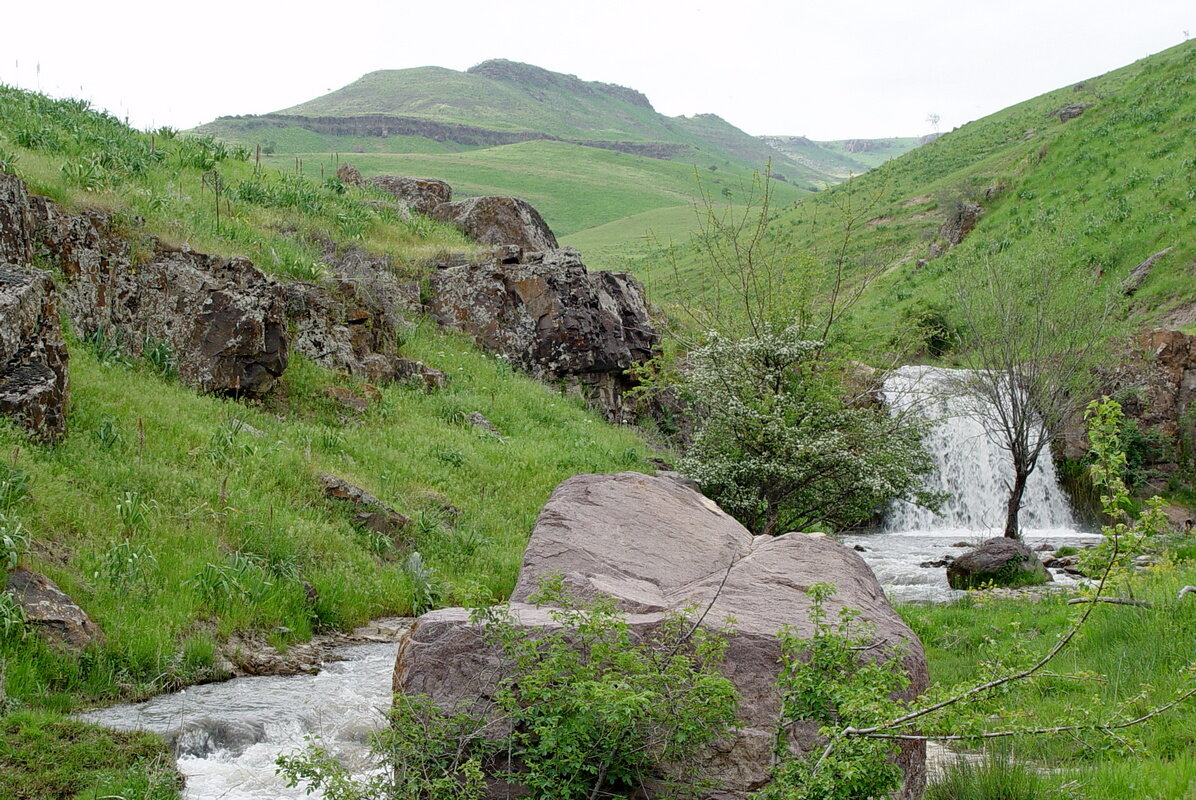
1044,548
961,544
860,548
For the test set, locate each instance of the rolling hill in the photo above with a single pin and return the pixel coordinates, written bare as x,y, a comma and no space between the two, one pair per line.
1102,171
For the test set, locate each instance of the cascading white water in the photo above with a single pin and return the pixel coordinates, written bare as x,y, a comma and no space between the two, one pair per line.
227,736
973,472
971,468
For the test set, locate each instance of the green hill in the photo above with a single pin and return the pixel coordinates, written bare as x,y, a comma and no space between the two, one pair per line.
844,158
1109,183
501,102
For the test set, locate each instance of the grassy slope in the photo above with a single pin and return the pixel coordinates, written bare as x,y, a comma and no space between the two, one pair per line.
1128,646
575,188
1108,189
865,160
227,526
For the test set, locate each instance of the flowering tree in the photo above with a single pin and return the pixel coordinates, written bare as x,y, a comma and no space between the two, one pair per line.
781,445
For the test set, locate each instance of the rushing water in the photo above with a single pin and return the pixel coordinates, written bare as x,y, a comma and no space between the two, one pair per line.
228,735
972,471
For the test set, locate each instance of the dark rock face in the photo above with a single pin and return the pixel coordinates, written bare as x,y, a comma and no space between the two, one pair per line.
350,174
656,547
222,318
1070,111
51,612
16,222
960,222
370,512
33,357
1155,381
1001,562
499,220
352,322
554,319
420,194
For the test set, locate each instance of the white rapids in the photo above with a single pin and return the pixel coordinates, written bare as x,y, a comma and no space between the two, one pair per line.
971,470
226,736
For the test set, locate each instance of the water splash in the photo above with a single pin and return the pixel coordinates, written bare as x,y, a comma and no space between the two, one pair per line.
972,471
971,468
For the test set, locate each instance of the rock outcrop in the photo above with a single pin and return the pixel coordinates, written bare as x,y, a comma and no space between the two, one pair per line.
499,221
222,319
33,356
369,511
553,318
657,547
998,562
419,194
961,219
51,612
1155,381
353,321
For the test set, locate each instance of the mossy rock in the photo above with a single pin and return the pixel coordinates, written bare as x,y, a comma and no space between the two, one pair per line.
997,562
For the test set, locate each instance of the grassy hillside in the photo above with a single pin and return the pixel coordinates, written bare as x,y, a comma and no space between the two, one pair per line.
842,158
446,109
1104,190
871,153
574,187
174,525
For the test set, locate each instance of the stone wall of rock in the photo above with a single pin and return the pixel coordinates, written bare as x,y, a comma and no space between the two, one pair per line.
33,356
658,547
353,321
223,319
1154,379
552,318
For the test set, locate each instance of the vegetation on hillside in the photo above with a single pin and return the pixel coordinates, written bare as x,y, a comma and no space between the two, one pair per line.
1110,187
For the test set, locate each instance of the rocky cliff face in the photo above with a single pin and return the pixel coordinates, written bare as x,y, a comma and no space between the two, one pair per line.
223,319
1155,382
553,318
33,357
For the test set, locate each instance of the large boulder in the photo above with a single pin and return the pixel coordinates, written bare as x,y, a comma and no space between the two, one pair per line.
51,612
419,194
222,318
658,547
997,562
499,221
33,356
548,315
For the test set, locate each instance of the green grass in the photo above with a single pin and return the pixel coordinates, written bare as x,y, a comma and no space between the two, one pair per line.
82,158
46,757
1106,189
235,524
174,527
860,161
1130,647
575,188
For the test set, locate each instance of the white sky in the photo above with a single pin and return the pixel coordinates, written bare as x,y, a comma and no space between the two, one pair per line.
824,69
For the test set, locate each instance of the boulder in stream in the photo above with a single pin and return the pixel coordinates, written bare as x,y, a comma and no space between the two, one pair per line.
997,562
656,547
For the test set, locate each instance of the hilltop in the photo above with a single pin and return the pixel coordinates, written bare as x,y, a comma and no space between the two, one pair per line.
501,102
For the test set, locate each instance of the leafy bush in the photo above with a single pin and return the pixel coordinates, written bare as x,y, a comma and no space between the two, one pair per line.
779,446
594,711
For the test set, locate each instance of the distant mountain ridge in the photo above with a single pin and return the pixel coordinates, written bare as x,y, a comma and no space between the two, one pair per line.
500,102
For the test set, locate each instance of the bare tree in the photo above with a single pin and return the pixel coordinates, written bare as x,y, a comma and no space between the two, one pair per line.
1034,327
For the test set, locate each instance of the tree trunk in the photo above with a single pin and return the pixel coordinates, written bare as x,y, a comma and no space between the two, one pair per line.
1020,477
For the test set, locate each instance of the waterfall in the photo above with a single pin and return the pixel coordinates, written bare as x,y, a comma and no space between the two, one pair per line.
971,469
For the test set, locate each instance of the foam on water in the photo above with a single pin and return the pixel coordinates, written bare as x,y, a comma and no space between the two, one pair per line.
972,472
228,735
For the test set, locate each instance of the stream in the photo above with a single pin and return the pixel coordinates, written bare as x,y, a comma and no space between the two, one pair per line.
227,735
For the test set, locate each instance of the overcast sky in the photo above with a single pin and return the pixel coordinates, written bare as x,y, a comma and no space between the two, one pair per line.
824,69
